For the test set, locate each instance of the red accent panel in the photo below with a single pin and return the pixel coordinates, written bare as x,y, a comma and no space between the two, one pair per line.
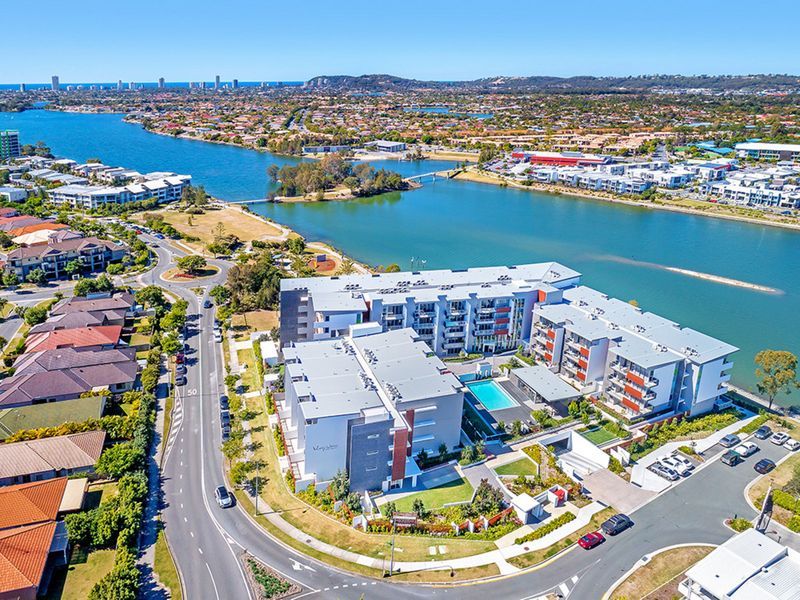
632,405
549,345
502,321
504,309
399,452
581,376
542,296
582,363
548,356
551,334
635,379
501,332
632,391
409,415
584,352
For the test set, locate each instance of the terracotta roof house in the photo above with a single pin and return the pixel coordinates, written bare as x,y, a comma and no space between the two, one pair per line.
104,336
117,301
47,458
92,253
81,319
32,541
10,223
48,226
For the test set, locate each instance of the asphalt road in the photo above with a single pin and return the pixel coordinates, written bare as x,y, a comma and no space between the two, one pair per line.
206,539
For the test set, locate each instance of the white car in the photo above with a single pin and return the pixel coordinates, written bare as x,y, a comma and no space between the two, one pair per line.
677,466
791,444
779,438
218,336
683,460
746,449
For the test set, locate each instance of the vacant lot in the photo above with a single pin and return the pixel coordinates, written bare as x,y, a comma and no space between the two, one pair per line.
663,569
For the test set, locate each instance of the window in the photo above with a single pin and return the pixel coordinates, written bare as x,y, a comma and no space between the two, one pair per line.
372,453
368,469
373,436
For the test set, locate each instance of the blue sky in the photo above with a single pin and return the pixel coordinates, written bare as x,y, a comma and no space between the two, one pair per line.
106,40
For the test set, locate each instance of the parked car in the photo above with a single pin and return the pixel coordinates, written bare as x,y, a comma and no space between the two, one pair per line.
224,499
590,540
218,336
226,432
180,380
792,445
663,471
224,417
207,303
180,369
746,449
616,524
683,460
731,458
764,466
729,441
158,235
676,465
763,432
223,402
779,438
179,358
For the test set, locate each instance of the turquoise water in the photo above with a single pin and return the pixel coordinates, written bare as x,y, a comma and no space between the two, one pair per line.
623,251
491,395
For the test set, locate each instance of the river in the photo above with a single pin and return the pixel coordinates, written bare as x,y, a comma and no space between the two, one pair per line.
658,258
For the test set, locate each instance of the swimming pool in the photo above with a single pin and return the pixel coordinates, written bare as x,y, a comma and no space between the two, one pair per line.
491,395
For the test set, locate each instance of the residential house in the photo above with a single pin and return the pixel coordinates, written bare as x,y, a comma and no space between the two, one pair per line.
92,254
47,458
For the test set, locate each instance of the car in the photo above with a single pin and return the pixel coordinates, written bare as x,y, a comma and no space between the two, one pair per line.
729,441
207,303
223,402
226,432
180,380
779,438
664,471
158,235
792,445
179,358
224,499
731,458
180,369
762,432
683,460
677,465
764,466
746,449
590,540
616,524
217,336
224,416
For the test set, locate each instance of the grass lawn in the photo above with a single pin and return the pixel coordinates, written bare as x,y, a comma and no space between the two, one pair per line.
779,478
84,570
99,493
522,466
165,568
255,320
598,435
176,274
457,490
250,374
661,570
139,339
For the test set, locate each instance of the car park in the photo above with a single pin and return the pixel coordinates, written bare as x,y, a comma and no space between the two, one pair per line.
792,445
746,449
683,460
731,458
779,438
590,540
764,466
616,524
677,465
664,471
729,441
762,432
224,499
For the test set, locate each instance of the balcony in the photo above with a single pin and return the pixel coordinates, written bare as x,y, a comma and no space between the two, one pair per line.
393,317
481,321
458,324
459,312
452,345
486,310
424,314
453,334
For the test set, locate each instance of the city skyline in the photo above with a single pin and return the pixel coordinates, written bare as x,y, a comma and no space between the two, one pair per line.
446,41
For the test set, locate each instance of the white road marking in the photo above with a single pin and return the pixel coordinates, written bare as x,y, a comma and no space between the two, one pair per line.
200,550
214,583
185,520
574,579
564,589
191,533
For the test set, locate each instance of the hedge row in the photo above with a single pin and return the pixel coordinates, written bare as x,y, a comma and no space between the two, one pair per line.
547,528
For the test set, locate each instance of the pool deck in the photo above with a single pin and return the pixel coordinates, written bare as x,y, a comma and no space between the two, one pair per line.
521,412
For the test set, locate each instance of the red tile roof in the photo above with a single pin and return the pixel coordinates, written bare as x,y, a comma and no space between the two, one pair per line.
23,555
27,503
81,337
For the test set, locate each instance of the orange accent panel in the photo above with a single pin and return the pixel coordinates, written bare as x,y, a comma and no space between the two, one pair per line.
542,296
635,379
548,356
584,352
551,334
549,345
582,363
631,391
581,376
632,405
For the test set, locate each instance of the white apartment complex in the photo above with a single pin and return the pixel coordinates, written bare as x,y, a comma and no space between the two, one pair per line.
163,189
367,403
767,151
484,309
639,363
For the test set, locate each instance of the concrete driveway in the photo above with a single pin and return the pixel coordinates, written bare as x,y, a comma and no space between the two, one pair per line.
609,489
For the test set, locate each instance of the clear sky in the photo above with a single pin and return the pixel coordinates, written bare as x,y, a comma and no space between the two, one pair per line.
255,40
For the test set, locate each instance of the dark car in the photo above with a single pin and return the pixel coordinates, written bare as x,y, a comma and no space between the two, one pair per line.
224,416
224,499
616,524
763,432
180,380
180,369
207,304
729,441
590,540
764,466
731,458
223,403
226,433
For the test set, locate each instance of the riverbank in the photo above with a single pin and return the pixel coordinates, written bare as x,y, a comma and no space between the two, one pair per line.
719,211
452,155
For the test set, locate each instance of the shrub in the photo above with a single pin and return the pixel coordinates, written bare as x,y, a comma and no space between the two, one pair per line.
615,466
119,459
785,500
546,528
794,524
739,524
270,584
755,423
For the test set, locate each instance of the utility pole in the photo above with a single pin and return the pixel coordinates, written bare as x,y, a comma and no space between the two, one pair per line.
258,482
391,556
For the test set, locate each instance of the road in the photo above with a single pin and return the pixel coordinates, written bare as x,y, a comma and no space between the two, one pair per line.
207,540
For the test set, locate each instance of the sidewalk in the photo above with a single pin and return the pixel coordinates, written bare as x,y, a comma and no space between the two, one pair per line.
151,588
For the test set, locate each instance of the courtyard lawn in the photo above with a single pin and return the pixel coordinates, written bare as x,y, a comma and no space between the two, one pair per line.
598,435
84,570
522,466
458,490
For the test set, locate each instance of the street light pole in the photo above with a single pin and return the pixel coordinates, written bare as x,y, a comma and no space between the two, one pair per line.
391,556
258,481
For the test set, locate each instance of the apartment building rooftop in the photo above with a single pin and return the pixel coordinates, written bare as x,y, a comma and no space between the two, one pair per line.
432,282
347,376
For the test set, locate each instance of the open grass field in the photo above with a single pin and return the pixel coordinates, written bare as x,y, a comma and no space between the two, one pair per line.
254,320
598,435
458,490
523,466
663,569
84,570
236,222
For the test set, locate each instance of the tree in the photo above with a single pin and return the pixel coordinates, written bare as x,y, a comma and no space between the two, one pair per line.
170,345
419,507
296,245
35,315
340,485
10,279
389,509
272,173
777,373
36,276
191,264
488,500
220,294
5,240
233,449
393,268
72,267
152,295
3,304
119,459
442,449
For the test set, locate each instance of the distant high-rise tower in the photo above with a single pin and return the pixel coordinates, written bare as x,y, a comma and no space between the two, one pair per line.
23,87
54,85
9,145
202,85
216,82
236,84
161,83
131,86
119,85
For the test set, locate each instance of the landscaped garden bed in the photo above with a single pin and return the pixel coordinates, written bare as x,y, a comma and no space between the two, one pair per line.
266,583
